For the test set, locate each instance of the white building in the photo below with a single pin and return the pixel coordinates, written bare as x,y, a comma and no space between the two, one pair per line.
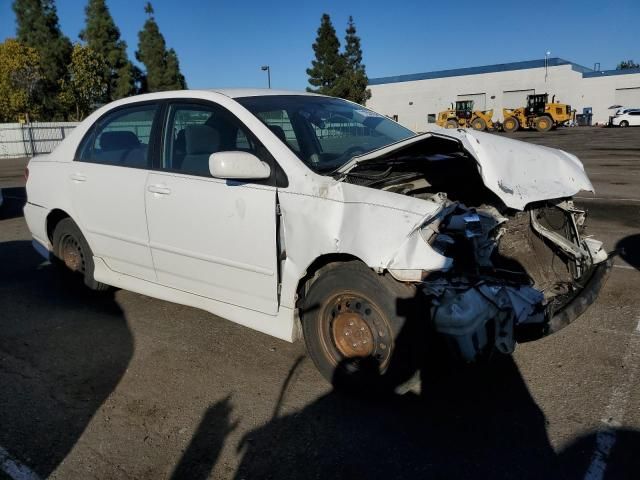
416,99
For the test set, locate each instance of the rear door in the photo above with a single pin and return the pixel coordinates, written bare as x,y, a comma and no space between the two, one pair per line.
107,181
212,237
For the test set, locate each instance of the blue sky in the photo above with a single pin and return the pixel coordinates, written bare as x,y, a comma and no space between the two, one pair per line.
223,43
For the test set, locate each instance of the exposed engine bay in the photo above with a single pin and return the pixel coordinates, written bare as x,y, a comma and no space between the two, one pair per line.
513,270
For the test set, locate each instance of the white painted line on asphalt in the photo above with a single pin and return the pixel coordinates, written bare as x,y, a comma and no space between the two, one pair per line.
638,326
626,267
614,413
14,468
611,199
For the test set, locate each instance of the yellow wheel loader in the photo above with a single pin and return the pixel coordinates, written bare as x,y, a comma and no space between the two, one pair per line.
463,116
538,114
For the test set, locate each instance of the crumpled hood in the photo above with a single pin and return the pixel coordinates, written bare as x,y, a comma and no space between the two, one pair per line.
519,173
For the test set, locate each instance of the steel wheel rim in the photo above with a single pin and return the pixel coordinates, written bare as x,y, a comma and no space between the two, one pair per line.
72,254
352,327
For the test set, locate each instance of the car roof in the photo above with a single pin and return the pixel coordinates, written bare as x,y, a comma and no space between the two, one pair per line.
257,92
227,92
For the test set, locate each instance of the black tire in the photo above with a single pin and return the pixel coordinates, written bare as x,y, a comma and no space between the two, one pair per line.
479,124
624,124
348,302
511,124
451,124
72,251
543,124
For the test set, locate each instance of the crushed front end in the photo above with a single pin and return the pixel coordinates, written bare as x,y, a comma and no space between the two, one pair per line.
516,276
513,261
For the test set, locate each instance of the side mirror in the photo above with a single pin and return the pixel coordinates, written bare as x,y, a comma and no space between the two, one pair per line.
238,166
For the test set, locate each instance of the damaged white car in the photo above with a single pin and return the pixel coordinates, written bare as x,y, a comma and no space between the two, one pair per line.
299,214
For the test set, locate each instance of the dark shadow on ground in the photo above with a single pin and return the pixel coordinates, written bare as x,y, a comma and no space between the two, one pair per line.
465,422
205,446
14,200
630,250
63,350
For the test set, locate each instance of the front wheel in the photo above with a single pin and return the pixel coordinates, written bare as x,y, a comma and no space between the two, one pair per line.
510,124
360,327
543,124
72,251
624,123
479,124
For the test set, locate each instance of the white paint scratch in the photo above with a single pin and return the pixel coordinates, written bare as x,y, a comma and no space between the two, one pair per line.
614,413
15,469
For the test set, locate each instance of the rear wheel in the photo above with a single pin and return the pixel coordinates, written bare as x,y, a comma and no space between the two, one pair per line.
479,124
358,327
510,124
72,251
451,124
624,123
543,124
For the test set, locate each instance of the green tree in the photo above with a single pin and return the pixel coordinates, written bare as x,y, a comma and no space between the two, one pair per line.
627,64
174,80
355,77
86,85
37,27
103,36
162,66
20,73
328,67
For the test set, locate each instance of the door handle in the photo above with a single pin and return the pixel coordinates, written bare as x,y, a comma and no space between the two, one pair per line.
159,189
78,177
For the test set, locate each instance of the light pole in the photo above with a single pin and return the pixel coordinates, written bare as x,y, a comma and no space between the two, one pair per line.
268,70
546,65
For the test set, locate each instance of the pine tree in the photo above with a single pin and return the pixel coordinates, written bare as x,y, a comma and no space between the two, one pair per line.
174,80
162,66
355,76
38,27
103,36
326,72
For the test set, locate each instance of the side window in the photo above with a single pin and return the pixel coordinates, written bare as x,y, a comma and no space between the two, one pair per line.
279,123
121,138
193,132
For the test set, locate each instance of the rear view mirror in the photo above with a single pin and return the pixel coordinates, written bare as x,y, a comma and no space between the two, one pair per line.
238,166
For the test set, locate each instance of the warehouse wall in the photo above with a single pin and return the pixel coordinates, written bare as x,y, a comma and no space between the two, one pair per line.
434,95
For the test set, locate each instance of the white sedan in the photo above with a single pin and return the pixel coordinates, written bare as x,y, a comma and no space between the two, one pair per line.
304,215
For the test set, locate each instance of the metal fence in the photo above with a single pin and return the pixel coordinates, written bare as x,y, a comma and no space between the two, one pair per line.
29,139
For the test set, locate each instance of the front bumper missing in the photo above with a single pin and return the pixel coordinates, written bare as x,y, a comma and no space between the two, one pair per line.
579,304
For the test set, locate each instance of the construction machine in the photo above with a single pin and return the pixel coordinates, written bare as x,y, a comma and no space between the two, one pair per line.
463,116
539,114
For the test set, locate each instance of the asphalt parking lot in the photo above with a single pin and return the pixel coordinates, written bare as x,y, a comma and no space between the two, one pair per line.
125,386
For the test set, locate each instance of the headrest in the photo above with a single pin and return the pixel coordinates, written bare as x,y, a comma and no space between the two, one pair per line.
277,129
118,140
201,139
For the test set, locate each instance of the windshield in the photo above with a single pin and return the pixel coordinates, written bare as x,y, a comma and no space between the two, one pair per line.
325,133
